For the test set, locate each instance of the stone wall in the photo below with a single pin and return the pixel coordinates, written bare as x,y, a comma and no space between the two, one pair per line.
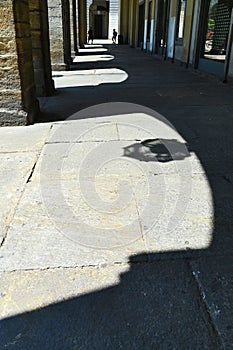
10,84
25,63
18,103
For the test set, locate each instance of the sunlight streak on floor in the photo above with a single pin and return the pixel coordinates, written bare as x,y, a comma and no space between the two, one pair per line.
93,58
90,77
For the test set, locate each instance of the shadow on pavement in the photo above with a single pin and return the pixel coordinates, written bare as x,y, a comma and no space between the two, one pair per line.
156,305
157,150
149,309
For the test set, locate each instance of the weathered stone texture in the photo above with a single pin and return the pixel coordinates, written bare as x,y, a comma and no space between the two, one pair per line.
24,48
10,89
40,47
60,48
56,33
17,99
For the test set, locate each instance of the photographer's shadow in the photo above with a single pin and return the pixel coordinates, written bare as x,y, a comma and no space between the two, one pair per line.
157,150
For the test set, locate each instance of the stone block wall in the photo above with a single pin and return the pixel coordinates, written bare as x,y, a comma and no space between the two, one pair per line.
10,88
18,103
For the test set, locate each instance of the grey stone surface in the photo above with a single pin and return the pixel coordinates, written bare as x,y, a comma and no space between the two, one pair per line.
116,242
15,168
78,131
130,307
46,233
23,139
215,280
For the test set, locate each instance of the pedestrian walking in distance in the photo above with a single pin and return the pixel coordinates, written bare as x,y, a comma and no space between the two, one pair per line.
90,36
114,36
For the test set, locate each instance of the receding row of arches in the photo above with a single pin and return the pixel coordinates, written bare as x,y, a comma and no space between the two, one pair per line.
38,36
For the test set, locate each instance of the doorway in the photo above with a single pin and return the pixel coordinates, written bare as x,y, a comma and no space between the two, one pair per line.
98,25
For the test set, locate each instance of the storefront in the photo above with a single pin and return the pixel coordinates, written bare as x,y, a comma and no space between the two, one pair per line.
214,44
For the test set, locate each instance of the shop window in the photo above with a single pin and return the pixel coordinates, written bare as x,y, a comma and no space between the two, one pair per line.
217,29
180,19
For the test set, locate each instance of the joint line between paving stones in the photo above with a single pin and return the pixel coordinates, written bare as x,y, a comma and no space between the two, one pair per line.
31,173
89,141
202,299
118,134
101,265
52,268
11,213
140,222
79,142
17,152
104,265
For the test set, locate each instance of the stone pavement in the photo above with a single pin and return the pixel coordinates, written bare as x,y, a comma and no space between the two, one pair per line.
116,210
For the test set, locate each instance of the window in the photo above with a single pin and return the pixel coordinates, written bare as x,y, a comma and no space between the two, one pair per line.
180,19
217,30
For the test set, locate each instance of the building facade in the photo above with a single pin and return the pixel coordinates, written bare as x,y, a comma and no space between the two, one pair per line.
195,32
43,35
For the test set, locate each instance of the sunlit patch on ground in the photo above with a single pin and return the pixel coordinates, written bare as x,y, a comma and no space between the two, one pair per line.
93,58
89,77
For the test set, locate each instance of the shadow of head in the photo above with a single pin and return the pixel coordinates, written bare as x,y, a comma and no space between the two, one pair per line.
157,150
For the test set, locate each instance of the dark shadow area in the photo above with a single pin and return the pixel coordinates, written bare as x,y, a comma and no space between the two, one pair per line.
157,150
155,306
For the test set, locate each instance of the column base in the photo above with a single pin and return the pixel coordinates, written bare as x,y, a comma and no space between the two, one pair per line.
13,117
59,66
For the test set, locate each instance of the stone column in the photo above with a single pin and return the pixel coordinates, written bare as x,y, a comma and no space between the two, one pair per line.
130,22
59,32
146,24
136,23
153,25
82,22
124,19
40,47
18,103
133,22
66,32
74,37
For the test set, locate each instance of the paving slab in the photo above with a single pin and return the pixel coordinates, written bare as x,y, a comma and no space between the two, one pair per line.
15,169
49,232
23,139
130,306
79,131
184,222
215,280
